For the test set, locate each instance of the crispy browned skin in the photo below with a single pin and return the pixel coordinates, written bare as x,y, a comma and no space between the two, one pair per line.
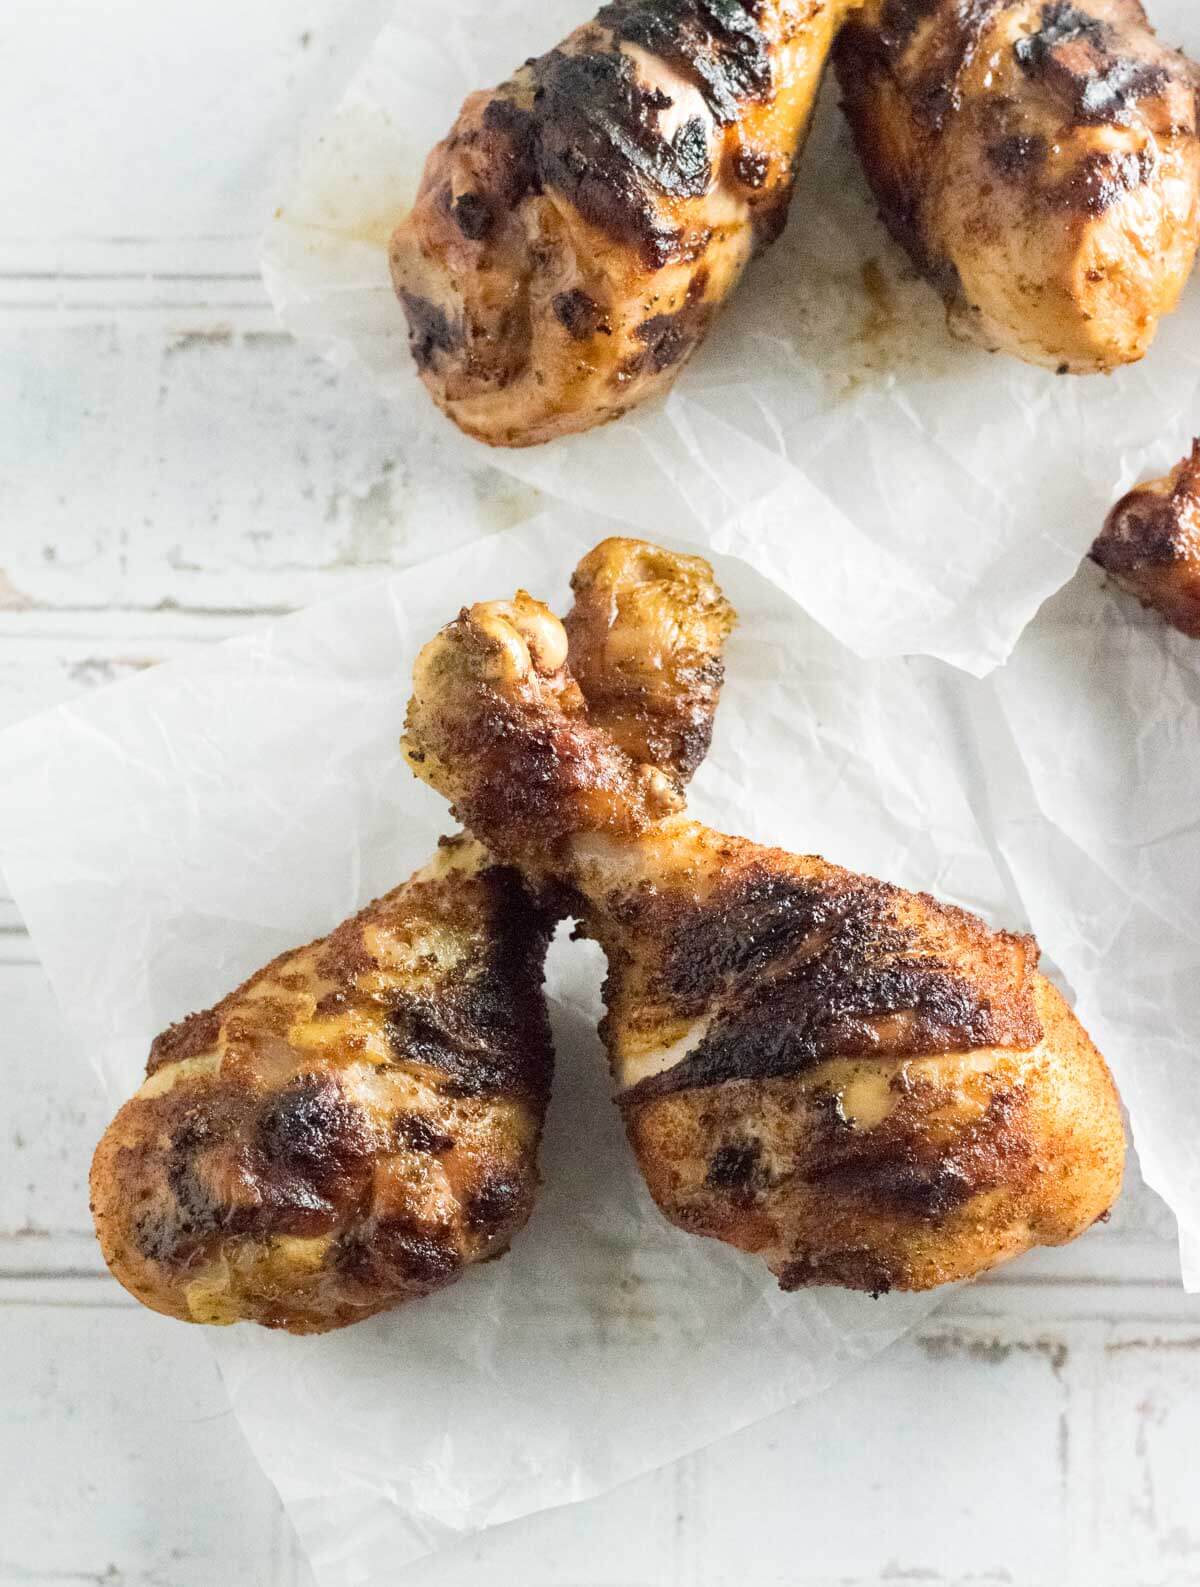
580,226
862,1085
350,1128
1039,161
360,1121
1151,545
646,638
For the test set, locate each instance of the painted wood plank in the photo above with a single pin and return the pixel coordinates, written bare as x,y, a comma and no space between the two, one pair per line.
978,1451
186,121
120,1462
216,471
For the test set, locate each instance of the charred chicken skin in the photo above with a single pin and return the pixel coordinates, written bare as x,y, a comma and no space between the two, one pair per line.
1038,160
578,229
1151,545
863,1086
360,1121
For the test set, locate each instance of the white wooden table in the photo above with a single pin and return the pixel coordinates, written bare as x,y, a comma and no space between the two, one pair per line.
171,469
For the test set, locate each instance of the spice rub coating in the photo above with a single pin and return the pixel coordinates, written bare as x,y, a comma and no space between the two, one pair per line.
351,1127
580,226
1040,162
860,1084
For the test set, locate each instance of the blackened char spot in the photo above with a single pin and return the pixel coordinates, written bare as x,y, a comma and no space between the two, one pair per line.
669,338
313,1130
430,330
494,1202
752,167
1072,53
1017,153
718,43
593,134
399,1255
420,1134
580,315
486,1032
473,216
734,1167
1102,179
1061,23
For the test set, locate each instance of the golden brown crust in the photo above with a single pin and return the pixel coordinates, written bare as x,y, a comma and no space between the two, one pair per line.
497,724
349,1128
579,228
1151,545
360,1120
789,962
1040,162
760,1004
646,636
894,1173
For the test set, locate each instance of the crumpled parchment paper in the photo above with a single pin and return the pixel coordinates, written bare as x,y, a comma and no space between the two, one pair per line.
915,495
165,837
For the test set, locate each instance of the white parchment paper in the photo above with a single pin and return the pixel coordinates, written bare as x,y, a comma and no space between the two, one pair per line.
167,836
915,495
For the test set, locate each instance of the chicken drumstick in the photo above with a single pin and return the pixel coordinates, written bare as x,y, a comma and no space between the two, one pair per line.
580,226
1039,159
862,1085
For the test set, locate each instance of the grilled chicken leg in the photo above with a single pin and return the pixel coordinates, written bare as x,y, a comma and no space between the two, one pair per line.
578,229
360,1121
864,1086
1039,160
1151,545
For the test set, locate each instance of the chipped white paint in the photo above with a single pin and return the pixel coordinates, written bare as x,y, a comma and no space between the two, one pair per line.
170,469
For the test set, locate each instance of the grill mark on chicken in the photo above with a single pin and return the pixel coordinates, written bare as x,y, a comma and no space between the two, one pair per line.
716,42
903,1171
580,315
1071,52
933,86
430,331
669,338
397,1253
1151,545
593,134
793,974
475,1037
1101,180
